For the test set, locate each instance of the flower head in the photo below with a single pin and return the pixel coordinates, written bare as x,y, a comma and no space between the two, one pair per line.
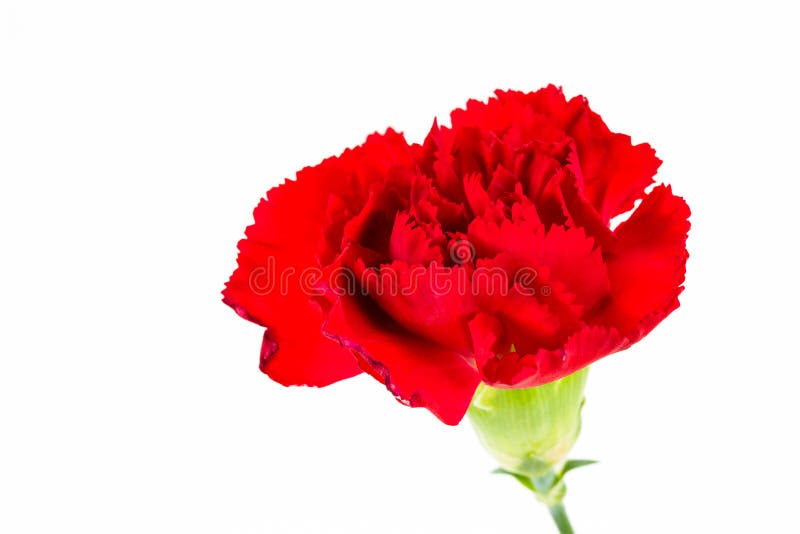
485,254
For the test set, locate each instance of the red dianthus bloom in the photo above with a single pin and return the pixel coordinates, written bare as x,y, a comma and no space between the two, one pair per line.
484,254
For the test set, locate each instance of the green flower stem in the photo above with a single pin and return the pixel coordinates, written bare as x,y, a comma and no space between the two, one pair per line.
559,515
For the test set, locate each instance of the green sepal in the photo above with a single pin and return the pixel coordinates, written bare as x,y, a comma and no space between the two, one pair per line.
569,465
530,432
522,479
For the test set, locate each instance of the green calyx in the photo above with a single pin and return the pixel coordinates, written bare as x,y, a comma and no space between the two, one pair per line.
531,431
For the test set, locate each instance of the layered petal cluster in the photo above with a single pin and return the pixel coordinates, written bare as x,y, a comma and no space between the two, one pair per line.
484,254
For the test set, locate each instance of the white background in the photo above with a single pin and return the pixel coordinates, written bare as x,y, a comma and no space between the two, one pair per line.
135,140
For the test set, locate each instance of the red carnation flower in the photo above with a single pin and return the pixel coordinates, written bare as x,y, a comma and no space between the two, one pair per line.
484,254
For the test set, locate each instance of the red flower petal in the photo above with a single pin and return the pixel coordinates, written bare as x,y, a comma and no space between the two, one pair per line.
615,171
576,262
296,227
437,162
581,212
413,244
529,322
570,257
294,351
519,369
372,227
647,265
416,371
434,302
305,360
